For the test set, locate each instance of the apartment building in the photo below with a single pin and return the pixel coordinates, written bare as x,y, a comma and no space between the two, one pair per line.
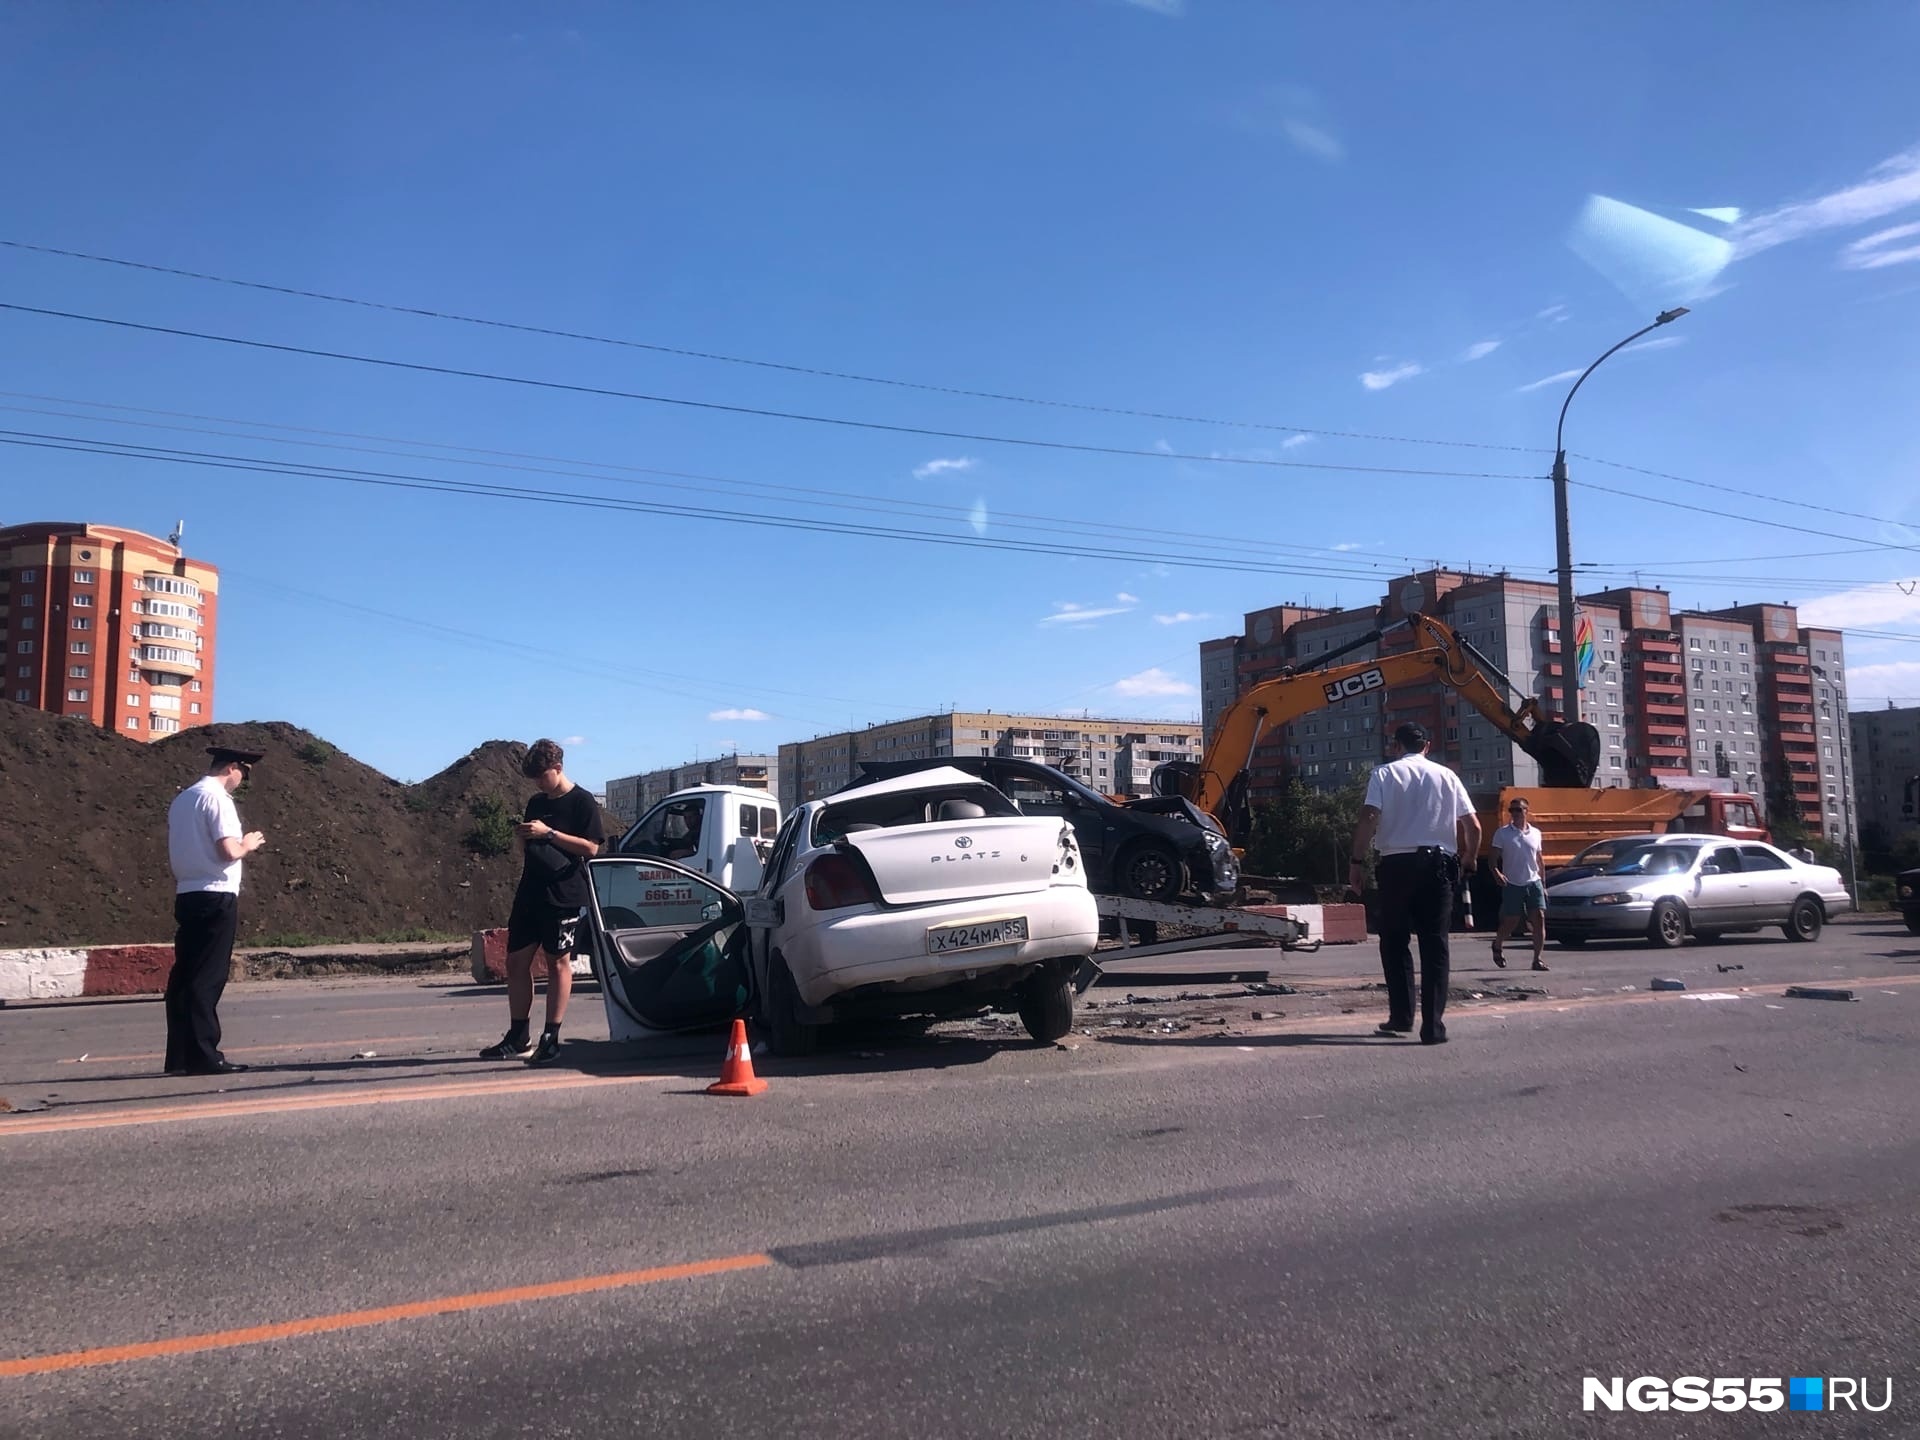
1886,760
107,624
631,796
1111,755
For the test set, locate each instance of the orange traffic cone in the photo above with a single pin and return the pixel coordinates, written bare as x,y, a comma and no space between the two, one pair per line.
736,1074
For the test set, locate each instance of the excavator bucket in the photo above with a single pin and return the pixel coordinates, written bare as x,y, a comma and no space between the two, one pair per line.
1568,754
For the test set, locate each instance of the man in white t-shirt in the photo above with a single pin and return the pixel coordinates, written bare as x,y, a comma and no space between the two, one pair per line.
1523,895
1419,817
205,847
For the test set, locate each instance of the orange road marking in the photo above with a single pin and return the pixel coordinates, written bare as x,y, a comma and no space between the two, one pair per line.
91,1059
281,1104
385,1315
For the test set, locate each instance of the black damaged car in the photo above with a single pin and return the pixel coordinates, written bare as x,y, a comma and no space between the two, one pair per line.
1159,849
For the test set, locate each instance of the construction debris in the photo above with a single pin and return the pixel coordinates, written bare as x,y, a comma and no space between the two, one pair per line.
1814,992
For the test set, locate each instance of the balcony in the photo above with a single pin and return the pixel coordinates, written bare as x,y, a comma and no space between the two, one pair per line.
169,660
1672,707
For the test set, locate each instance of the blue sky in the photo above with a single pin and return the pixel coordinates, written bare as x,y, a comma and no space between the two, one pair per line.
1373,219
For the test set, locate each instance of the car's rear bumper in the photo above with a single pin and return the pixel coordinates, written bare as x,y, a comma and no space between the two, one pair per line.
861,950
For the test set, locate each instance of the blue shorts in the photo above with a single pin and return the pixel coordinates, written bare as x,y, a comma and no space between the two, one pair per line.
1522,900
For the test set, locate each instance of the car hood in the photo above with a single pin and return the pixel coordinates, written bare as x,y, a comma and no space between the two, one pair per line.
1647,885
1174,807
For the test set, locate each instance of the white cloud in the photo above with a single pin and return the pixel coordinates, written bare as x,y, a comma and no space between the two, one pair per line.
1876,606
1381,379
1480,350
1546,380
1892,185
1294,442
1895,680
1154,682
574,742
1350,545
1553,314
1125,599
1725,214
1181,617
1876,251
738,714
1312,140
1172,9
1066,612
977,517
1659,342
941,467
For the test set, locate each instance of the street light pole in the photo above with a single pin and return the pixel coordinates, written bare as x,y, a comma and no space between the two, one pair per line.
1843,733
1563,533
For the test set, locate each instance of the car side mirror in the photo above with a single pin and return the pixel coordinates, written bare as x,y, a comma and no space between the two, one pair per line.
1710,869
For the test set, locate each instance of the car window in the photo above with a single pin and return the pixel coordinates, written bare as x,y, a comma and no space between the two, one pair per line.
1758,857
634,895
783,846
1727,858
671,831
1654,860
1035,796
907,807
769,822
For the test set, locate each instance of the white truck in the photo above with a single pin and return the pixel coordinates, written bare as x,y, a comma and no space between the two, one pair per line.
722,831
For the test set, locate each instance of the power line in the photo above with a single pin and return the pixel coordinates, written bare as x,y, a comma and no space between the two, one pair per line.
424,312
1728,515
552,332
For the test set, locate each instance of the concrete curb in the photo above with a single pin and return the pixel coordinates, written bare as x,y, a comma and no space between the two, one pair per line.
1329,924
52,974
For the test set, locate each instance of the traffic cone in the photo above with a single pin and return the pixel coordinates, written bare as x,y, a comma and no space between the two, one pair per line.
736,1073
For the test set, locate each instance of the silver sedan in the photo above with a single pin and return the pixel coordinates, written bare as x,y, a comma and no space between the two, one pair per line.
1673,886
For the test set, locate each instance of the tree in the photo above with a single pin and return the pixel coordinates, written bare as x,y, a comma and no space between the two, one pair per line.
1306,834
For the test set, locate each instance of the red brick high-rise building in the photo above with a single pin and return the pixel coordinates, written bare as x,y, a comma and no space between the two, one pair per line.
109,624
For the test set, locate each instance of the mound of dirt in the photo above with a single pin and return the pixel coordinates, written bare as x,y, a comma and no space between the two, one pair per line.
351,854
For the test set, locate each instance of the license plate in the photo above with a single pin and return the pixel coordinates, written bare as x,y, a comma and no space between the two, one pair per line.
943,938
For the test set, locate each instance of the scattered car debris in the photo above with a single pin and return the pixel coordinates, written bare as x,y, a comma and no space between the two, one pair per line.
1723,969
1665,984
1815,992
358,1055
1271,988
1269,1014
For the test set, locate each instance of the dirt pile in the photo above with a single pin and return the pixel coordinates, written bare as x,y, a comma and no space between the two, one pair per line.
351,854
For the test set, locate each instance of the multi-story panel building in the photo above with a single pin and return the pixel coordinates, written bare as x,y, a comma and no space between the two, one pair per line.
631,796
1089,748
1723,702
1650,720
1886,761
109,625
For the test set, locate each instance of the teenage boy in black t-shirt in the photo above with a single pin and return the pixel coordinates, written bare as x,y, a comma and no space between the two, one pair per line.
561,832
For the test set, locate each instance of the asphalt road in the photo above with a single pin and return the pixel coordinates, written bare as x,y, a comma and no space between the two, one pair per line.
1236,1227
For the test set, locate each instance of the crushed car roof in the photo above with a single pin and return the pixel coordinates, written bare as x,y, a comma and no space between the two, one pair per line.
941,777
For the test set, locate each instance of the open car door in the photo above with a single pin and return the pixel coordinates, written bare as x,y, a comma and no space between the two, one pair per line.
669,947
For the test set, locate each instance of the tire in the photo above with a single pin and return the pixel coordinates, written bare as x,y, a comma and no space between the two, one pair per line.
1667,930
1913,922
1046,1005
1571,942
1804,920
1150,870
788,1035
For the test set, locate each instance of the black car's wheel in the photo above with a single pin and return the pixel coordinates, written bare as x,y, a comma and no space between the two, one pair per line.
1668,927
1150,870
1805,919
1046,1005
789,1035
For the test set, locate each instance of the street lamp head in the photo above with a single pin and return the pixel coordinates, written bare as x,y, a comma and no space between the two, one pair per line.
1667,317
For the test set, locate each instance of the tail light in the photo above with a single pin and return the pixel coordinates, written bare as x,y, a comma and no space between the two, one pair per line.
836,881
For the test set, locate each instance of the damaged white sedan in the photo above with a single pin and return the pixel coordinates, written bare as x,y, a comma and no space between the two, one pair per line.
927,894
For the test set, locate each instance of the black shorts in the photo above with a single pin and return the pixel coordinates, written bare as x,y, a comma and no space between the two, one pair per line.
554,928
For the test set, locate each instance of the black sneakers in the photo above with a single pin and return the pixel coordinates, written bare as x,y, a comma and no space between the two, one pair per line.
547,1051
510,1047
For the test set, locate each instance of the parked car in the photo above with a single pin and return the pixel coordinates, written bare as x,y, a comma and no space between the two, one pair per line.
1595,858
922,893
724,831
1673,886
1157,853
1906,894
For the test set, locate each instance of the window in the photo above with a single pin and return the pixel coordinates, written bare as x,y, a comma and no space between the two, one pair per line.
25,672
83,577
162,725
27,577
81,601
25,647
1693,642
25,697
133,702
76,672
133,722
1700,745
76,695
1607,634
82,622
79,647
196,687
1743,650
28,600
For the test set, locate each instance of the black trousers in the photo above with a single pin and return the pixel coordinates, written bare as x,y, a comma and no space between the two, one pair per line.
1416,898
204,925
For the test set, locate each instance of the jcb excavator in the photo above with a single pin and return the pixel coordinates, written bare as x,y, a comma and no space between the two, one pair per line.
1570,812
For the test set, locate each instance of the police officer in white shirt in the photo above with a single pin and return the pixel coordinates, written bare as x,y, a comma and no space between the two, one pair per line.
1419,817
205,847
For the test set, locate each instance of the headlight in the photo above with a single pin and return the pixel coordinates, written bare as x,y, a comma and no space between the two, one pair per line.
1215,843
1615,897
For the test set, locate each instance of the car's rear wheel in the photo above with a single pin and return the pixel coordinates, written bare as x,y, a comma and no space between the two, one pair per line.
1151,871
1805,919
789,1035
1046,1005
1668,927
